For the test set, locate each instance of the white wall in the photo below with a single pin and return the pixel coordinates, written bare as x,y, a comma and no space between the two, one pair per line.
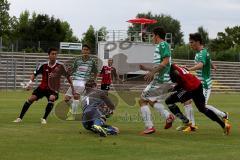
127,56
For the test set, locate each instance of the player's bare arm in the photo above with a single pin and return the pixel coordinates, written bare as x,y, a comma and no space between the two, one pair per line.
145,68
149,76
196,67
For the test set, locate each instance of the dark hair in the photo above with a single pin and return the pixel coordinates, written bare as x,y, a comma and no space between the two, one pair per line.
90,84
160,32
173,73
196,37
87,46
52,49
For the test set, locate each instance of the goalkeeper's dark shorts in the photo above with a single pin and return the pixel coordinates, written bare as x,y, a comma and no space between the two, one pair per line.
40,93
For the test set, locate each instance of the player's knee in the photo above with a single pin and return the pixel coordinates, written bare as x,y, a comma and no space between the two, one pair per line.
187,102
142,102
32,99
151,103
76,96
67,98
52,98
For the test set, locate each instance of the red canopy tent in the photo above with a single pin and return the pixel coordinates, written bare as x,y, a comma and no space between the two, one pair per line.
142,21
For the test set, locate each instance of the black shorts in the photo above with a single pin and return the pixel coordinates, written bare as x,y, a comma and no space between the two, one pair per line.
40,93
183,96
105,87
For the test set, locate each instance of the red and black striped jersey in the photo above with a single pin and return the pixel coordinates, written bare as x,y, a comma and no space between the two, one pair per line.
107,73
184,79
45,70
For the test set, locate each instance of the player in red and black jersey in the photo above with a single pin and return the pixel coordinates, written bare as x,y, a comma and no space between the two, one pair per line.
108,73
189,87
45,89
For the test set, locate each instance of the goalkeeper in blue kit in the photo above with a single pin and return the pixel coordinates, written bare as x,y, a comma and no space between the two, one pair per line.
96,108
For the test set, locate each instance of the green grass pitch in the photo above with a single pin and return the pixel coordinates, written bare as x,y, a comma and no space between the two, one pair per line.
67,140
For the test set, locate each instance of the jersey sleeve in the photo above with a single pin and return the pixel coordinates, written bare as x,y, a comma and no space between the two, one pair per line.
38,70
102,70
203,57
165,50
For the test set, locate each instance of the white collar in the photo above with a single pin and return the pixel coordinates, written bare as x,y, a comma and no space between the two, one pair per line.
53,65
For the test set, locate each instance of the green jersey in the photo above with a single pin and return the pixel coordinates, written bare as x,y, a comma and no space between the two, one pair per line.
162,51
205,73
83,69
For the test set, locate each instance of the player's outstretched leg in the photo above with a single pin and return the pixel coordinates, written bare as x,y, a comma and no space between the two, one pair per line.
48,109
25,108
200,104
146,116
169,117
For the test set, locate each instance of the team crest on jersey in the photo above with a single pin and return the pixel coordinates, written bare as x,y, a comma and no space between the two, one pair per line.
162,45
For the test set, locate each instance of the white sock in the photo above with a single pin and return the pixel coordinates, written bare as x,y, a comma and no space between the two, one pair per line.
160,108
216,111
189,113
146,115
75,104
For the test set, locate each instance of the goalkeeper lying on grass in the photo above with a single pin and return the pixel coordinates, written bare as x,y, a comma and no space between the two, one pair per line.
96,108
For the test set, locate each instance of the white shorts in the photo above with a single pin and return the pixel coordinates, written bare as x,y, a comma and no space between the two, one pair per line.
79,86
156,92
206,93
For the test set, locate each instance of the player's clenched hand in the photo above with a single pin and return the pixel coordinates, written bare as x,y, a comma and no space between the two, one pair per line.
149,77
142,67
29,85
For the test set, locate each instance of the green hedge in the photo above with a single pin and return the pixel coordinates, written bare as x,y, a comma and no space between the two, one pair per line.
184,52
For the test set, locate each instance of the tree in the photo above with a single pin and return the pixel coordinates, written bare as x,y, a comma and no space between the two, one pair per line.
4,17
102,33
24,28
29,30
69,37
204,35
226,40
90,38
166,21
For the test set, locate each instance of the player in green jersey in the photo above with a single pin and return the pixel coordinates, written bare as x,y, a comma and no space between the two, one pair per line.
158,76
83,69
202,67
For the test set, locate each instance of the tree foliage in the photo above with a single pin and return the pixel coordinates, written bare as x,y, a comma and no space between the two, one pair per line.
89,38
29,30
226,40
4,18
204,34
170,25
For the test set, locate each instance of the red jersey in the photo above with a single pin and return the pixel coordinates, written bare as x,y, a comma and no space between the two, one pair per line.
186,80
46,70
106,74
